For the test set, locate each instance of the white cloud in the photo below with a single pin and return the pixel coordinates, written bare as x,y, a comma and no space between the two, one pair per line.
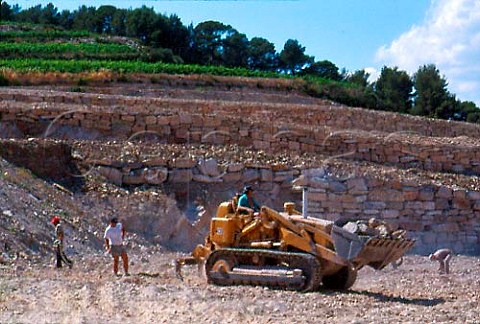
374,74
449,37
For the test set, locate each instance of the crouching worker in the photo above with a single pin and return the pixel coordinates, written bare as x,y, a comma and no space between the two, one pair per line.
443,256
58,243
114,235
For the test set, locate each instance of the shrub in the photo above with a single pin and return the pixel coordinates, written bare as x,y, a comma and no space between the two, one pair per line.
3,80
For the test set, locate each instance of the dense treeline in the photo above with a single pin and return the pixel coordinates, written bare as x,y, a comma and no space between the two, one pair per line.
212,43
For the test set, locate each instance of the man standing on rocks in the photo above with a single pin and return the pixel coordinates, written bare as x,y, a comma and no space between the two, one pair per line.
114,235
58,243
443,256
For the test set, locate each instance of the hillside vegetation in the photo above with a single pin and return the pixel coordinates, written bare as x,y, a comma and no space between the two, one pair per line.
211,48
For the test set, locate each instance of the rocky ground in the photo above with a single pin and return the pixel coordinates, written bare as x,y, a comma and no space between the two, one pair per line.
35,292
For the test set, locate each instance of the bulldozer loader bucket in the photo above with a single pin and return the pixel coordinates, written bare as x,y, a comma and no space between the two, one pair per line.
376,252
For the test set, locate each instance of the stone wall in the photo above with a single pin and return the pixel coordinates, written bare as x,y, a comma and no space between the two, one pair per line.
326,113
457,155
436,215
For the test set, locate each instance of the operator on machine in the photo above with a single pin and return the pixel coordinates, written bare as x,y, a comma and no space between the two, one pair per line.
246,203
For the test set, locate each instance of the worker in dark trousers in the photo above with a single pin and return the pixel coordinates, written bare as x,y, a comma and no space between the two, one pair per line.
58,243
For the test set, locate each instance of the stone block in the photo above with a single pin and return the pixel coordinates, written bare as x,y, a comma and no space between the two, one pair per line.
348,198
476,205
390,213
134,177
174,121
266,175
232,177
416,205
182,163
261,145
202,178
353,212
410,193
129,118
378,205
137,128
184,119
163,121
360,198
293,146
357,186
426,194
457,245
156,175
385,195
113,175
473,195
250,175
442,204
150,120
155,161
208,167
444,192
180,176
337,187
461,194
212,121
317,196
282,176
428,205
461,203
318,183
182,133
235,167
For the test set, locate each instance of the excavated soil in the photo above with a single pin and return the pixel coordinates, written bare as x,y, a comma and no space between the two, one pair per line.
90,293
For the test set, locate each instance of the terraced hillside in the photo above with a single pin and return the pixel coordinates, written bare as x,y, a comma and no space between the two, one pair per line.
89,139
202,141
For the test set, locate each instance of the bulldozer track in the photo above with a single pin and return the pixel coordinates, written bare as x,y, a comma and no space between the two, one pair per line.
221,263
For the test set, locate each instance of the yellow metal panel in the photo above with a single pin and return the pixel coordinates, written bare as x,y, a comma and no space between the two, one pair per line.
319,236
224,209
222,231
290,238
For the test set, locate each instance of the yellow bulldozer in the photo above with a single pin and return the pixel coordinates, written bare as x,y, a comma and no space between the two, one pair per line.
290,251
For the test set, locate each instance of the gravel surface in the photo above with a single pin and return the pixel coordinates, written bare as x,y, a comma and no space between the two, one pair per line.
90,293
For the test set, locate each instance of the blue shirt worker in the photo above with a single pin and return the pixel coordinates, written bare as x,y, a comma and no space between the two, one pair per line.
246,203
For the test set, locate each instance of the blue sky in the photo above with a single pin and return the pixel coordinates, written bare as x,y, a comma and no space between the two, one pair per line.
352,34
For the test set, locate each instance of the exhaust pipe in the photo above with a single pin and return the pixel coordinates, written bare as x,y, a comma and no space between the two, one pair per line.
305,202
